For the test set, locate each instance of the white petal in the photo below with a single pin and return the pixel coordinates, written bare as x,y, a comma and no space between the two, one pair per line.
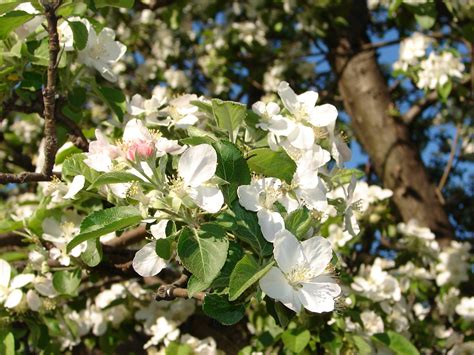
308,100
76,185
158,230
146,262
350,223
270,223
120,190
259,108
302,137
209,198
197,164
318,253
272,109
281,126
288,96
135,130
21,280
288,251
275,285
314,198
135,106
5,273
45,287
13,299
323,115
319,297
249,197
99,162
33,300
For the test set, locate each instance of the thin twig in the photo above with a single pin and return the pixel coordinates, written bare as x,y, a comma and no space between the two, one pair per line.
175,290
449,164
418,108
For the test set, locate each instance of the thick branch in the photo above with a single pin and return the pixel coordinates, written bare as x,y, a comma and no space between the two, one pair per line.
49,92
20,178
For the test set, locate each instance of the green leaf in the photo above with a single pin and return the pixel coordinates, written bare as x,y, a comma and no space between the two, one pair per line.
279,312
344,176
296,340
299,222
196,285
396,342
7,225
245,274
203,253
272,164
232,167
174,348
92,256
74,165
362,345
128,4
65,153
6,7
229,116
164,248
67,282
445,90
80,33
219,308
234,254
114,177
114,98
105,221
12,20
248,230
7,344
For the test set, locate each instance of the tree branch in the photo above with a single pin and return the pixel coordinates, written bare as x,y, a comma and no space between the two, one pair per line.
175,290
418,108
128,238
49,92
449,164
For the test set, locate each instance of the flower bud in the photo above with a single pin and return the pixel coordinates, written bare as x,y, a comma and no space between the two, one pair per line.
140,150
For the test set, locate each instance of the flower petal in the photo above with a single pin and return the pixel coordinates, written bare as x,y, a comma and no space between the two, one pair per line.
197,164
275,285
146,262
33,300
288,251
209,198
323,115
76,185
302,137
13,299
135,130
158,230
249,197
318,297
5,273
270,223
308,100
21,280
318,253
288,97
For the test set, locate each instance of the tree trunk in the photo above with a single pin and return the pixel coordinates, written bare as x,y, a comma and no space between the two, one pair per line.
387,140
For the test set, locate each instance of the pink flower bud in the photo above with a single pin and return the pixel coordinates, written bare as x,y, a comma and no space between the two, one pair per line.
140,149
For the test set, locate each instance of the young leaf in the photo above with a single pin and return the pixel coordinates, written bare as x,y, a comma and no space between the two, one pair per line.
272,164
113,177
7,343
296,340
232,167
245,274
396,342
12,20
205,252
79,31
229,116
92,256
67,282
219,308
298,222
128,4
74,165
105,221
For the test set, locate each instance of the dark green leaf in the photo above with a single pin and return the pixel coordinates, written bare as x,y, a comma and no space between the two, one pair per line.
203,253
232,167
196,285
105,221
234,254
74,165
12,20
248,230
164,248
272,164
67,282
296,340
114,177
299,222
219,308
114,98
80,33
245,274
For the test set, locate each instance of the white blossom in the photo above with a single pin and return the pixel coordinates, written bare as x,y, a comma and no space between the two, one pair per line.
301,280
10,289
465,308
146,262
438,69
411,50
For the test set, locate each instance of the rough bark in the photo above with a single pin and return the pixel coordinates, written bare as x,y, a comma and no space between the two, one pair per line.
385,138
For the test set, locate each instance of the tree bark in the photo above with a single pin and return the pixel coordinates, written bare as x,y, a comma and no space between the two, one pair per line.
385,138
